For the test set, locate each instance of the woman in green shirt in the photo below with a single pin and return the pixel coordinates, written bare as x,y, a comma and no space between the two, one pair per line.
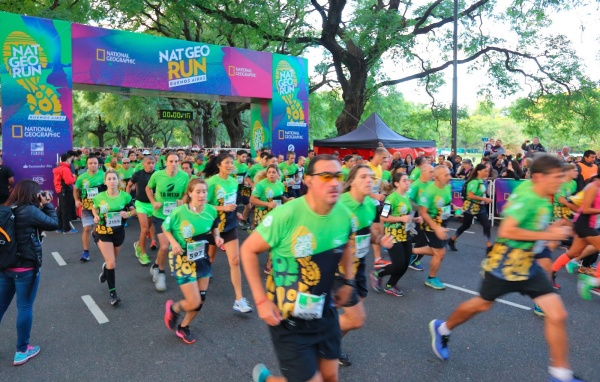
475,206
111,208
188,228
395,224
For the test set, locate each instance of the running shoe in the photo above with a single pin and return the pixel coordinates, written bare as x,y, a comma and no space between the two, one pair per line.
344,360
114,299
70,232
595,291
242,306
59,231
85,256
572,266
439,343
143,259
171,317
137,249
435,283
376,282
153,245
260,373
184,333
249,230
585,284
574,379
394,291
154,273
586,271
555,285
102,277
22,357
452,245
416,266
380,263
243,224
267,271
161,282
538,311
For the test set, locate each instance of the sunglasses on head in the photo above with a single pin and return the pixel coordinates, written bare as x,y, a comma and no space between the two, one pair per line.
328,176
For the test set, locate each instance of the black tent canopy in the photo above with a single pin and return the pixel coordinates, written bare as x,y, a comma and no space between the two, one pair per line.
371,134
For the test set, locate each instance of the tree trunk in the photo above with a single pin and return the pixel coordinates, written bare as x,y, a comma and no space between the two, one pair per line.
100,131
232,119
355,100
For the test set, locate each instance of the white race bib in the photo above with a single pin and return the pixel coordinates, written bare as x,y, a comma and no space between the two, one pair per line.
168,207
92,192
446,212
240,179
296,186
363,244
113,219
230,199
196,250
309,306
277,201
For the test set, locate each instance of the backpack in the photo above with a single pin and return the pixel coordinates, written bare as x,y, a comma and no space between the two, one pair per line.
463,191
8,241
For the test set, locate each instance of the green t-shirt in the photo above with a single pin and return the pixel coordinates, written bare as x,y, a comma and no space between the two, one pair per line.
305,249
387,176
437,201
365,214
223,192
416,189
167,190
477,187
124,176
400,206
188,226
514,260
198,168
268,192
255,169
239,172
346,171
415,174
90,186
108,208
288,171
566,190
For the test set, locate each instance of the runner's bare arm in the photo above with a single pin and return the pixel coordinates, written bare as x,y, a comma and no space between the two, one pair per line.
509,229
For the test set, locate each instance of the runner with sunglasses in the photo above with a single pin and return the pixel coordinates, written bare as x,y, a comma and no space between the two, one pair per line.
307,239
356,197
187,229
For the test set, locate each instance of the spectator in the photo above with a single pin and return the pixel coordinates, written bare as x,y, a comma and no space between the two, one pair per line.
587,167
396,159
7,179
64,180
526,168
450,167
565,154
492,173
531,149
441,160
33,214
457,162
409,162
488,148
465,169
519,157
497,150
512,171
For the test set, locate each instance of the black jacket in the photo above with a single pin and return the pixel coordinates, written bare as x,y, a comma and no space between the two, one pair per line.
29,222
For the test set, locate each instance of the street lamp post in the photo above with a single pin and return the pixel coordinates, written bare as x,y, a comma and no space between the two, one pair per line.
454,79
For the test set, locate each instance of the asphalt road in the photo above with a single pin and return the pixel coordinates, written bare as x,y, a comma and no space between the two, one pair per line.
506,343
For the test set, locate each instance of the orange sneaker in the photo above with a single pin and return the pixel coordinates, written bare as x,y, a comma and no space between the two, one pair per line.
380,263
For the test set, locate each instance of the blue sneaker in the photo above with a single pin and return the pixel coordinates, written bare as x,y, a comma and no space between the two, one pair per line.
22,357
416,266
59,231
85,256
574,379
70,232
538,311
435,283
260,373
572,266
439,343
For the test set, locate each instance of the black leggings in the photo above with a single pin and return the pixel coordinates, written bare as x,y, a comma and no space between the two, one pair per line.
589,260
483,218
400,255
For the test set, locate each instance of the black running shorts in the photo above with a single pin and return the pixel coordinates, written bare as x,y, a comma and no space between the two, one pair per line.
493,287
228,236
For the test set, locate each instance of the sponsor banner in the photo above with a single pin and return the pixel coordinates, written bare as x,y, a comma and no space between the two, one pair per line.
457,185
177,115
290,105
504,187
35,71
260,121
134,60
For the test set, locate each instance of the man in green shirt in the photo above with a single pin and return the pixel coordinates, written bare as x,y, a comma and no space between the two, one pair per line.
414,193
289,174
511,267
240,170
307,238
87,186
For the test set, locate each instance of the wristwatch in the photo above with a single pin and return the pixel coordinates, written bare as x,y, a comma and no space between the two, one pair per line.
350,282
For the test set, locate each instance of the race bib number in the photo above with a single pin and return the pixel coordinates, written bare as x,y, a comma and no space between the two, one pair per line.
309,306
196,250
240,179
446,212
230,199
363,243
277,202
92,192
168,207
113,219
295,187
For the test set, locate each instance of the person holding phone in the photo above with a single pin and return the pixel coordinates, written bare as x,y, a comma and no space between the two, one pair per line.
396,214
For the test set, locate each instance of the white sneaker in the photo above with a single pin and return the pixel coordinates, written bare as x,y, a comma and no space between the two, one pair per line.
161,282
242,306
154,274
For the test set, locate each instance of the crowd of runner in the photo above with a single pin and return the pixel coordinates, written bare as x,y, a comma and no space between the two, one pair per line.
191,203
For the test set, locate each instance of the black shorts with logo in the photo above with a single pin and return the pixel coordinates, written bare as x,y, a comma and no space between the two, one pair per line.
300,343
537,285
117,237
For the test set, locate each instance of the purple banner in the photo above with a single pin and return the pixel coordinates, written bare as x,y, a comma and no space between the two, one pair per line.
504,187
457,185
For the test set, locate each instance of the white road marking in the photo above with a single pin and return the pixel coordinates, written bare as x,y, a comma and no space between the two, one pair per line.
91,304
453,229
58,259
497,300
